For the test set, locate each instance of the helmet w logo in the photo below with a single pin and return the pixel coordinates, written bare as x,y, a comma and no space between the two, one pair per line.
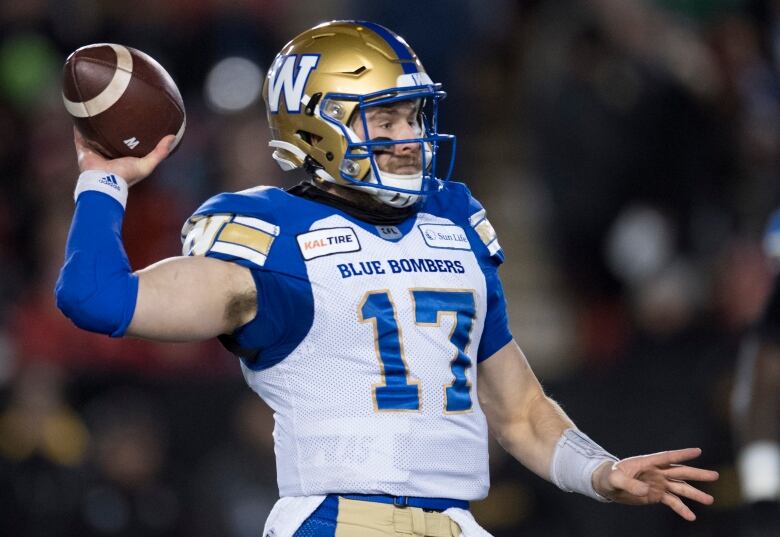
289,75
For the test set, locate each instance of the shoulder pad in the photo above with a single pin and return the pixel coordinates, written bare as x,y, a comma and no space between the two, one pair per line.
487,234
455,202
260,202
234,226
472,210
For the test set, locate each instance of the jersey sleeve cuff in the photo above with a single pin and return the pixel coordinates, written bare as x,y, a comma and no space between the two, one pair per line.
492,347
100,181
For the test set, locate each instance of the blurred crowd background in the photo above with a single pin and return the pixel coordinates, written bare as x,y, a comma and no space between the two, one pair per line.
628,152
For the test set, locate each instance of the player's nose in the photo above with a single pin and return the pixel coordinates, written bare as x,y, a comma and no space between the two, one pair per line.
408,132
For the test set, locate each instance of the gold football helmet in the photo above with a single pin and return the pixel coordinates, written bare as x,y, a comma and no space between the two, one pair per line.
327,77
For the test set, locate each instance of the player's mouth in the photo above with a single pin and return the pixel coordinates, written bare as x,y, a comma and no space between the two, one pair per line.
407,167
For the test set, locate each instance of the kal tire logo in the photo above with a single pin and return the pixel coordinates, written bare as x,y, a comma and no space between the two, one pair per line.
322,242
289,75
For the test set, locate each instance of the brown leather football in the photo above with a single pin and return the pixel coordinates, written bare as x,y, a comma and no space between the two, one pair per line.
121,100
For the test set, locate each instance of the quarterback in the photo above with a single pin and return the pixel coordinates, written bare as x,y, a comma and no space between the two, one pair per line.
364,304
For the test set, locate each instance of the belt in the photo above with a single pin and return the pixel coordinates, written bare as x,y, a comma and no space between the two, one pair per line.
431,504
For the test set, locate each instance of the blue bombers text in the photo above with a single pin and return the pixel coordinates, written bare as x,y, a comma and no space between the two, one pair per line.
398,266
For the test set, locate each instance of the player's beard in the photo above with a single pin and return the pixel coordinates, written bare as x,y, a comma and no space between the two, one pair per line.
400,165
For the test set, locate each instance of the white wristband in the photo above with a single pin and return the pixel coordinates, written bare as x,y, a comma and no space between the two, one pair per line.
105,182
758,465
575,459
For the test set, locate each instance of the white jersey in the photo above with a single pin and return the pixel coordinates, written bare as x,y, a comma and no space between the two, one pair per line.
367,338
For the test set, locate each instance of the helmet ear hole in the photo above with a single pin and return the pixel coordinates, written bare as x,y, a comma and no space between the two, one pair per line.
309,137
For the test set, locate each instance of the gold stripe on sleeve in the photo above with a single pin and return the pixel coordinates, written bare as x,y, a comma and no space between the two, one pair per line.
485,231
246,236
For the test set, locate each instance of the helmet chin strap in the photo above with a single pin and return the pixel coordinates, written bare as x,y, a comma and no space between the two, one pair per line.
390,197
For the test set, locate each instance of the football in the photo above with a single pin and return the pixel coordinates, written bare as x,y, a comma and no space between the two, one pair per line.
121,100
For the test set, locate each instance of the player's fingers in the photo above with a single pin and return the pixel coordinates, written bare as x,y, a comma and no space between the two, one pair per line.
666,458
685,490
162,149
77,137
677,505
80,142
635,487
85,156
157,155
167,143
688,473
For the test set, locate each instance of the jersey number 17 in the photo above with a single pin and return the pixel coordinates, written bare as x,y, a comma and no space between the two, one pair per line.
397,391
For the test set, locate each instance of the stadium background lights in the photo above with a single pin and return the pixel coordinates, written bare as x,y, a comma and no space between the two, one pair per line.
233,84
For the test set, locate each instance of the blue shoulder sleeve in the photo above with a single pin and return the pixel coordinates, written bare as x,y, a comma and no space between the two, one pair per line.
256,229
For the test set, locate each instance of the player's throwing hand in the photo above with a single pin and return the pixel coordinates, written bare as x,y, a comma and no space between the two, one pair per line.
656,478
131,169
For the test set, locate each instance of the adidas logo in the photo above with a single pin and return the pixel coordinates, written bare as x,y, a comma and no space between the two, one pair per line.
131,142
110,180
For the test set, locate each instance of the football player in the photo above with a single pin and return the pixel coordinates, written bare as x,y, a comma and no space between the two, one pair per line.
364,304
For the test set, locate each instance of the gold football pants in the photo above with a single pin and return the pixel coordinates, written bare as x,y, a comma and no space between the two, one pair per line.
370,519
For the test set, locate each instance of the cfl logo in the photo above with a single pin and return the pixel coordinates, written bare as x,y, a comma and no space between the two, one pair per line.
289,75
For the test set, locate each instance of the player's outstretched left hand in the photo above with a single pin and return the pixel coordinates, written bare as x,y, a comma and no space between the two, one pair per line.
131,169
656,478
